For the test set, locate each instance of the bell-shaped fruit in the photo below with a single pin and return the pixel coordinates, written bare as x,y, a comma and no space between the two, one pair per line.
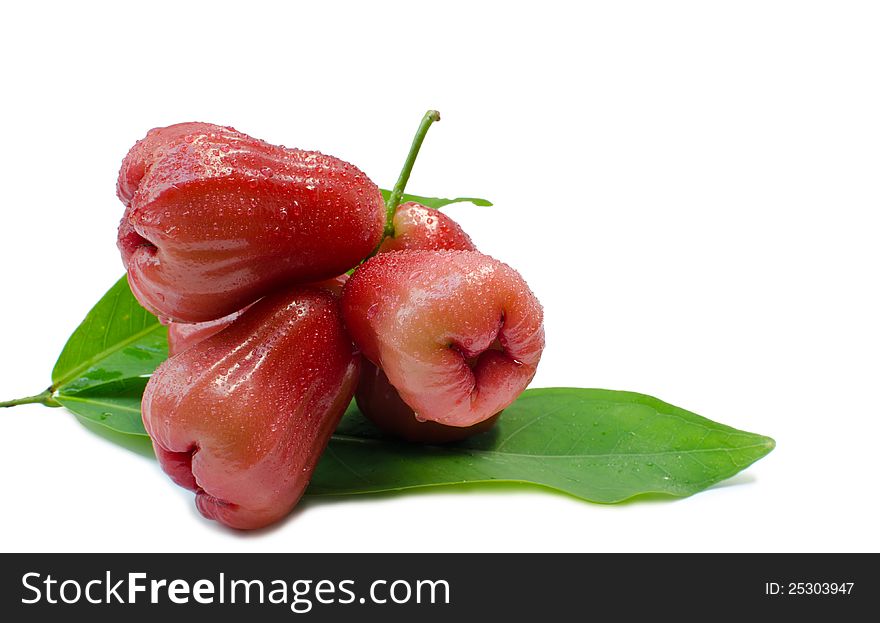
416,227
458,334
242,417
215,219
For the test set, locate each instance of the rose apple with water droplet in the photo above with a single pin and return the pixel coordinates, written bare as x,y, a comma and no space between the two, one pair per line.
418,227
182,335
214,219
457,333
242,417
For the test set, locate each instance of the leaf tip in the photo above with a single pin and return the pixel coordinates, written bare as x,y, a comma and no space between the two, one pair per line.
769,443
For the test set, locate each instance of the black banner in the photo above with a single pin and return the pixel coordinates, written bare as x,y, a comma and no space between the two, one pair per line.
433,587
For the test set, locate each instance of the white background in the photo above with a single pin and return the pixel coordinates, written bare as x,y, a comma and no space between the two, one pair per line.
691,188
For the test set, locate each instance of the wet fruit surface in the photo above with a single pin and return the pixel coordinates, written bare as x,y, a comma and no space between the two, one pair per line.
417,227
182,335
458,334
243,416
215,219
381,404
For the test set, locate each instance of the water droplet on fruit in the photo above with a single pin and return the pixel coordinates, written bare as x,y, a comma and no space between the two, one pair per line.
372,311
419,418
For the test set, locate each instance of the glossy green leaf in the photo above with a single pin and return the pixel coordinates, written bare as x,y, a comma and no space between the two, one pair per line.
102,370
115,405
437,202
598,445
117,339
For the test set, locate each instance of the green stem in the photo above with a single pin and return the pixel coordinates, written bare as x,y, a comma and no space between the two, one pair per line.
43,398
397,193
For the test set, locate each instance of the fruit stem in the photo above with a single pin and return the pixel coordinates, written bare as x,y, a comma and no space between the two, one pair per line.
397,193
43,398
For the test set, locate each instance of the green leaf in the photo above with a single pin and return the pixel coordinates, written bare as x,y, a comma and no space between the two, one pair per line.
115,405
436,202
598,445
102,370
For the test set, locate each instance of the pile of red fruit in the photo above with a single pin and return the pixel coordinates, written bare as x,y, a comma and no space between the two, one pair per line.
244,249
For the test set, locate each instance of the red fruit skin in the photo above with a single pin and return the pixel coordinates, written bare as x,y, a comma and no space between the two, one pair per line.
417,227
379,401
242,417
182,335
459,334
215,219
334,285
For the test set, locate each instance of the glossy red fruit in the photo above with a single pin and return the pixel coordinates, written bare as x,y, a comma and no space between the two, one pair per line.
242,417
182,335
215,219
417,227
458,334
379,401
